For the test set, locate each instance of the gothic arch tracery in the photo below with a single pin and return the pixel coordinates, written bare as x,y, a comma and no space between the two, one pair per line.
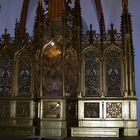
24,68
113,71
6,71
91,63
52,69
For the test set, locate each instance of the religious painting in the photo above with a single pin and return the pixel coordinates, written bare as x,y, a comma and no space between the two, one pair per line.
52,71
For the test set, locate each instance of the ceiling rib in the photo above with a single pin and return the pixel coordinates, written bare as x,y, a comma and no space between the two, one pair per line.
100,16
23,17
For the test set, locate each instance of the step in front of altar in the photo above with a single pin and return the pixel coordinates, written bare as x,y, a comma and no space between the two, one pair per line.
94,132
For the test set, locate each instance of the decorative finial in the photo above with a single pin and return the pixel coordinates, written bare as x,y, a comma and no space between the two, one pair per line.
5,31
112,26
26,38
125,5
6,37
39,2
90,34
112,33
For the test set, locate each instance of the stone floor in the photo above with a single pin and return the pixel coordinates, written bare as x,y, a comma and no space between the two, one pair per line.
62,138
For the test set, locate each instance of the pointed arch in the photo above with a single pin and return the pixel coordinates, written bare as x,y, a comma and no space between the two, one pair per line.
91,71
6,71
24,59
52,69
113,71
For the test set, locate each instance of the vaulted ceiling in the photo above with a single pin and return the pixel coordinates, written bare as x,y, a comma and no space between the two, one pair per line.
92,10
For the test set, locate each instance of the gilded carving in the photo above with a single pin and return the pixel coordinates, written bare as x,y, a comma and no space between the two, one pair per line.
51,109
52,69
114,110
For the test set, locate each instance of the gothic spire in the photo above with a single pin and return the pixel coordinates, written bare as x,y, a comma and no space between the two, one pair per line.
17,31
40,2
77,24
77,13
6,37
126,27
126,30
125,6
39,25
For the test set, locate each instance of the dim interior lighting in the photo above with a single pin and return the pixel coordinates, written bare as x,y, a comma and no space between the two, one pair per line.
45,12
52,43
52,49
57,105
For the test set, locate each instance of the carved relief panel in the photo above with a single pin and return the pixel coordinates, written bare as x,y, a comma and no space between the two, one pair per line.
113,110
51,109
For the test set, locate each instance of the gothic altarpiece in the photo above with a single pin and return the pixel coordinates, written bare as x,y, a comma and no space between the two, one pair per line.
63,82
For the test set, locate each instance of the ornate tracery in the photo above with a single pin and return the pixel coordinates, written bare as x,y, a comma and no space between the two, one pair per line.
92,73
25,72
113,73
6,72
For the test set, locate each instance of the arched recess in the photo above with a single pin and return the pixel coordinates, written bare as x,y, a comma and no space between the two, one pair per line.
6,71
52,70
59,70
24,59
91,72
113,72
